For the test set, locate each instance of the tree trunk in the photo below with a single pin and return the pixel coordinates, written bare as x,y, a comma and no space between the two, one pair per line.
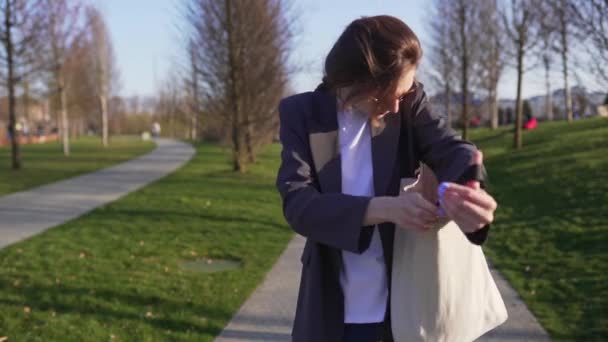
12,121
195,109
103,105
519,114
193,129
465,74
15,150
564,51
239,162
64,115
493,108
569,114
549,97
237,146
249,143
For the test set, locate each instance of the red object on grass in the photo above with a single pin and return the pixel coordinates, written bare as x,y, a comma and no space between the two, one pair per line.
531,124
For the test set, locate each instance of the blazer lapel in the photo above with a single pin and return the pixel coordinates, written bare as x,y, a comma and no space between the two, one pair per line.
325,146
324,143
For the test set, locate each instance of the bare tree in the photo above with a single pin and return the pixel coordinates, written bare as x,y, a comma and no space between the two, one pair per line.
134,104
590,18
103,64
520,19
271,39
241,50
166,108
20,36
467,49
192,84
79,87
561,13
63,31
441,54
548,37
172,107
491,56
465,15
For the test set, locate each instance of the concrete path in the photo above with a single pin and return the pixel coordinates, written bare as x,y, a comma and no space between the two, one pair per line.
521,325
30,212
268,314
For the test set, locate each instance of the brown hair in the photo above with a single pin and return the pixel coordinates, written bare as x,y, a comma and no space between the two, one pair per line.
370,55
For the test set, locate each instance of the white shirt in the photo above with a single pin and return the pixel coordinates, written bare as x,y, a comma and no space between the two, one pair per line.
363,277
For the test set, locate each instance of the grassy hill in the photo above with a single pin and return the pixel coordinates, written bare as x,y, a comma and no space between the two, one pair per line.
550,237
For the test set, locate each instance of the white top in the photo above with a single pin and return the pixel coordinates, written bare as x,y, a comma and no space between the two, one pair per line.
363,277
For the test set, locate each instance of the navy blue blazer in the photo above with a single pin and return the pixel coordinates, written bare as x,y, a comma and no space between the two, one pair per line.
309,181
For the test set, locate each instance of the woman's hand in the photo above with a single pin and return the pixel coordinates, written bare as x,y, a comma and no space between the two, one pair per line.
471,207
410,210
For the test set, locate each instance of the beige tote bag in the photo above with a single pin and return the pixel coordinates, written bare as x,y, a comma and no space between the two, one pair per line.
442,289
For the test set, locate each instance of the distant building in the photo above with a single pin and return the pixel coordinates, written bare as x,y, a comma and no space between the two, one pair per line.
584,104
32,116
475,106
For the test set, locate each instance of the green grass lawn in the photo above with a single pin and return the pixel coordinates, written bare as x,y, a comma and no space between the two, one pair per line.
45,163
550,236
115,275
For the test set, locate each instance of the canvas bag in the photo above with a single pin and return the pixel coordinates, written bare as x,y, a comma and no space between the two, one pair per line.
442,289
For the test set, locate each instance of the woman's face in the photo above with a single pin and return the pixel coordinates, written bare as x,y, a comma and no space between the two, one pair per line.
390,104
372,105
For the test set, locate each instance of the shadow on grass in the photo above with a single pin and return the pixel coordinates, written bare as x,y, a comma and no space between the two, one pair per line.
37,297
157,215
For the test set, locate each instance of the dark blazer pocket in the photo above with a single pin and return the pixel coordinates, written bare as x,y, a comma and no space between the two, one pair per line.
305,258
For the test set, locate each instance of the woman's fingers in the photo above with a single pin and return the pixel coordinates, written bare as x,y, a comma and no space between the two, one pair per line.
425,206
461,220
477,196
470,209
465,222
467,214
410,222
426,213
416,212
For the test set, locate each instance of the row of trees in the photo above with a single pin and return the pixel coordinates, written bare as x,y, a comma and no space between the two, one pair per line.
232,72
61,50
475,40
233,67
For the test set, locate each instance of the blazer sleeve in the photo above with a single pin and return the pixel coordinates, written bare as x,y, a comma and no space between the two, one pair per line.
333,219
446,153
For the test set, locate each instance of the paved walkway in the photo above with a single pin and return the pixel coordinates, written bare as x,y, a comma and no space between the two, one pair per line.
30,212
268,314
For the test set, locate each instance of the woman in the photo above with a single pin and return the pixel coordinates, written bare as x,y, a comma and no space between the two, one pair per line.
344,153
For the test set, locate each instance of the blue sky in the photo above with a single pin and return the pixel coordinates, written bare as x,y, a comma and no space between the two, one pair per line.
146,39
